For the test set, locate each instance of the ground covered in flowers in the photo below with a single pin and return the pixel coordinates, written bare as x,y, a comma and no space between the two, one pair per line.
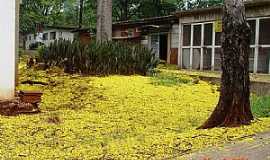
117,117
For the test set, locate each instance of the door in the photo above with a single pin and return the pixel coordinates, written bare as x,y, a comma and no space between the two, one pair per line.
163,47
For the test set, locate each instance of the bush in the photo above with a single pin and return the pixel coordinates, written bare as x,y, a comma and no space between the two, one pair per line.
170,79
99,58
35,46
261,106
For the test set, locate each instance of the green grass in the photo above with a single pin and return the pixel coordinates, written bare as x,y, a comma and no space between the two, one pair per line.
261,106
115,117
217,74
170,79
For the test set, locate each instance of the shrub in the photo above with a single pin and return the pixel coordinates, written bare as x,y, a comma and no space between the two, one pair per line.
35,46
99,58
261,106
170,79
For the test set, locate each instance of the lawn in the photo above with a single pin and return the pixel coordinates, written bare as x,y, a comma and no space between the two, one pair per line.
117,117
254,77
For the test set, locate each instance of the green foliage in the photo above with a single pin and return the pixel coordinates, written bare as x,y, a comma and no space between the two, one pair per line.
34,12
170,79
261,106
65,12
194,4
99,58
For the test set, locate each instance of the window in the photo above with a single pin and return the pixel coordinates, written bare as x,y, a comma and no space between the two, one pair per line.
208,34
251,59
263,60
196,59
29,38
218,38
252,24
186,35
45,36
52,35
217,59
197,36
186,58
264,31
207,58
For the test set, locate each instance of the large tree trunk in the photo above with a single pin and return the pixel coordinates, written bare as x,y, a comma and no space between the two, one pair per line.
233,108
104,20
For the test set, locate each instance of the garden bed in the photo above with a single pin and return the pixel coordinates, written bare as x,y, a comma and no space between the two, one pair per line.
117,117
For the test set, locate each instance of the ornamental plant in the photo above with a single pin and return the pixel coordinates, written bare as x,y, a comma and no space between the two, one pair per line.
98,58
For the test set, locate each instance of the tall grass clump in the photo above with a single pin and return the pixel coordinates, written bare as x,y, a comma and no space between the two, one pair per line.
261,106
99,58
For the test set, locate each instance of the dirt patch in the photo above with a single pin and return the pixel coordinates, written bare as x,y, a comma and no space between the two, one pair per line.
257,149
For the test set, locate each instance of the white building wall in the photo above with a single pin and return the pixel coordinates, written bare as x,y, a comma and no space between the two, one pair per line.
175,36
60,34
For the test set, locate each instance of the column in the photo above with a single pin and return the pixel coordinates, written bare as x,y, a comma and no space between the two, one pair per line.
8,48
180,44
256,52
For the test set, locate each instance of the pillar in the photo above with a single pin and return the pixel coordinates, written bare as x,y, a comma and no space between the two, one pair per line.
8,48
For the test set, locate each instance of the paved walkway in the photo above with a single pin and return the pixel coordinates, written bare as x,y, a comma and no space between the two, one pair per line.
259,149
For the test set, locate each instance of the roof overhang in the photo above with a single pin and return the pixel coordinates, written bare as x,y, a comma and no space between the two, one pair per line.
170,19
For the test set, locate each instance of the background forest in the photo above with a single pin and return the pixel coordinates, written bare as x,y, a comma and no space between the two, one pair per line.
66,12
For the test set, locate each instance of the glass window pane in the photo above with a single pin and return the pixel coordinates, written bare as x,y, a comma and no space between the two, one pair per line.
251,59
186,35
207,58
264,31
186,58
197,35
45,36
218,39
208,34
252,24
196,59
263,60
53,35
217,59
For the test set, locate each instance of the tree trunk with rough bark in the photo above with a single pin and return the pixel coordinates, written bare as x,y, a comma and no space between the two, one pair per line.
233,108
104,20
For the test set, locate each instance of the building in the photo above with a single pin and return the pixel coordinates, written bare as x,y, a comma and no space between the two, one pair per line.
84,35
159,34
49,35
200,34
198,47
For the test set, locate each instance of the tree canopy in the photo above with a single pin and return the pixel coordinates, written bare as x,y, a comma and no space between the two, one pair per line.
66,12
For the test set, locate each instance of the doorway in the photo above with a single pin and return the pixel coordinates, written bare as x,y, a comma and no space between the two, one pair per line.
163,47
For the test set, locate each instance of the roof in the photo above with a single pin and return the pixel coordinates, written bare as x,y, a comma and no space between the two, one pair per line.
248,5
145,21
60,27
88,30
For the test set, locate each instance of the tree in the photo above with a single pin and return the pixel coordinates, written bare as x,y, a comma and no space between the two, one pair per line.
233,108
33,12
81,13
104,20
